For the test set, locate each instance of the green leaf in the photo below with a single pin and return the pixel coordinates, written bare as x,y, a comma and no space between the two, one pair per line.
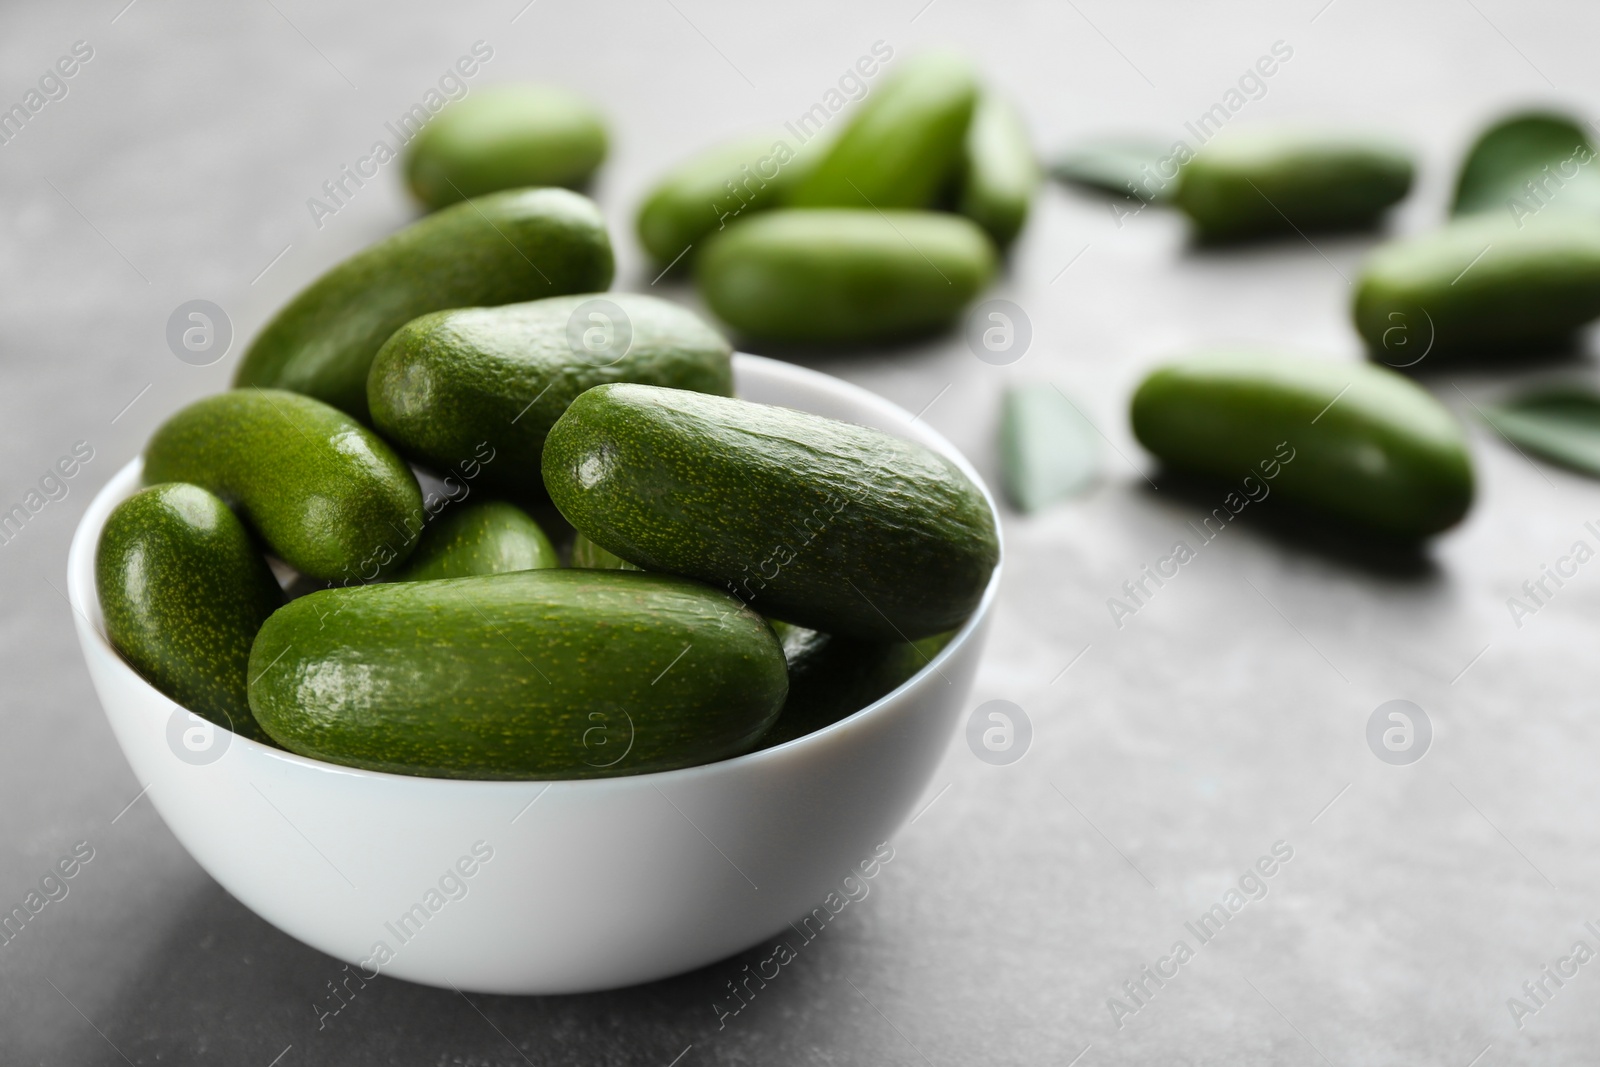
1560,423
1126,166
1551,150
1048,450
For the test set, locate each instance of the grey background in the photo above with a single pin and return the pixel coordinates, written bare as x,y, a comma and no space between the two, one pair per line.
1227,715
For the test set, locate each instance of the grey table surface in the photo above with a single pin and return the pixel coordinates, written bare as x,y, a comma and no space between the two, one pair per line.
1168,754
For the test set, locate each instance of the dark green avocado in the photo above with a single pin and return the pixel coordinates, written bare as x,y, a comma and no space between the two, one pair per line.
821,523
183,588
536,674
517,245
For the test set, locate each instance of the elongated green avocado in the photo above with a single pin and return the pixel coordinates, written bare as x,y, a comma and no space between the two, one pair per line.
1481,285
718,188
493,537
903,144
844,275
1361,443
184,588
505,137
536,674
447,383
822,523
328,496
1251,183
517,245
998,170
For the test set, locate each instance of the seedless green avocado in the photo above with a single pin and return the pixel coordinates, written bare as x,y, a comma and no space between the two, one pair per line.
999,171
828,525
1250,183
903,145
844,275
716,189
518,245
505,137
1481,285
537,674
493,537
447,383
324,492
1353,441
183,588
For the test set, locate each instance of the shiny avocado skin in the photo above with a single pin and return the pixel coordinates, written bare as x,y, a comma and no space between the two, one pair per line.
326,494
536,674
1356,442
817,522
522,244
448,382
184,588
844,275
505,137
832,678
493,537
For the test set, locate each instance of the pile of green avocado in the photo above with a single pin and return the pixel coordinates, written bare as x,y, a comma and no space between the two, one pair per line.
737,574
445,638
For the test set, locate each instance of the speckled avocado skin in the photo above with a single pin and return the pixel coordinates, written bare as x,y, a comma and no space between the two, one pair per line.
505,137
517,245
184,588
831,526
448,382
493,537
326,494
537,674
844,275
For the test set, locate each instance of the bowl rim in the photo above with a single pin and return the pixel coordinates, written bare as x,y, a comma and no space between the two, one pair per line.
84,598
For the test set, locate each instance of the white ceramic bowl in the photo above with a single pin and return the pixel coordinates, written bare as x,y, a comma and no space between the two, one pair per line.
589,884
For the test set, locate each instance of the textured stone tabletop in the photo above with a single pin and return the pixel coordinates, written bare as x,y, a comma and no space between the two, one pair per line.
1216,734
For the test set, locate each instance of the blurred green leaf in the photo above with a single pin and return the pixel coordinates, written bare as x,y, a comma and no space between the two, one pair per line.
1125,166
1048,450
1560,423
1551,150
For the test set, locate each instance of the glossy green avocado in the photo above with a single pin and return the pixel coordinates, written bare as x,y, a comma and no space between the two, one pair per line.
825,524
451,383
1351,440
536,674
517,245
183,588
326,494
